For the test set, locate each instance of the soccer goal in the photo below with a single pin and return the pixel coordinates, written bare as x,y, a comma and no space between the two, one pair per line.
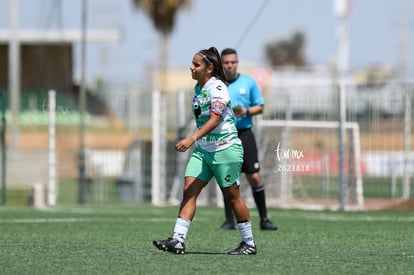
300,163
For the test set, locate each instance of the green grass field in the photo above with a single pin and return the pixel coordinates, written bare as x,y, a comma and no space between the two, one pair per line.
118,240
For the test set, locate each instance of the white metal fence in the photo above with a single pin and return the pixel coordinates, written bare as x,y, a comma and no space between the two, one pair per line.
382,146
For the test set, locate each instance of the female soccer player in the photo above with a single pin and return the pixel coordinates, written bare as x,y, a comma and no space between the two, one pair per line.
218,153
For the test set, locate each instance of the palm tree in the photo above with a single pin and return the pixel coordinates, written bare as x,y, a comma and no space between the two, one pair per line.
288,52
162,14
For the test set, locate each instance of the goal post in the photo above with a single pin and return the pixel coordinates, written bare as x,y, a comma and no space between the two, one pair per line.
303,154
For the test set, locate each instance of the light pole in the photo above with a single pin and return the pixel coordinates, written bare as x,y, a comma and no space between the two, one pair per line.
14,72
341,10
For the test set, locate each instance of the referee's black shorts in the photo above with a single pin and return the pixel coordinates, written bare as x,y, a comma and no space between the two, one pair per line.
250,157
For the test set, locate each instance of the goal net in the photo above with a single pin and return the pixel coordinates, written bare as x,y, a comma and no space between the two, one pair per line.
300,164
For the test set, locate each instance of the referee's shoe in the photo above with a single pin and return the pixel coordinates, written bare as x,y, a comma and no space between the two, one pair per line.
266,224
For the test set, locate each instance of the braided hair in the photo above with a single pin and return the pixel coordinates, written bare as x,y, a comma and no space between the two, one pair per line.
212,56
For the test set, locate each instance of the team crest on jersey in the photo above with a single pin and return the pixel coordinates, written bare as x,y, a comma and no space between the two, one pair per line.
203,99
217,106
242,91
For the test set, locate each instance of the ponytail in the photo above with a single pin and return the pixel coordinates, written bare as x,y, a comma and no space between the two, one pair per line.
212,56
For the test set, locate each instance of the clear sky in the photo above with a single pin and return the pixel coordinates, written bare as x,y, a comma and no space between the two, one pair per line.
374,31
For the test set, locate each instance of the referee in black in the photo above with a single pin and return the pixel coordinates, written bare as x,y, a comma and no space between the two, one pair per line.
247,101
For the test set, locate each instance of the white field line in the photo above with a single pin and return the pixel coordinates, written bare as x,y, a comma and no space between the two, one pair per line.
79,220
338,218
335,217
155,211
310,216
48,220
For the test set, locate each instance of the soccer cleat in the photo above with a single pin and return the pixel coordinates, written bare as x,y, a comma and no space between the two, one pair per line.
266,224
170,245
243,249
227,226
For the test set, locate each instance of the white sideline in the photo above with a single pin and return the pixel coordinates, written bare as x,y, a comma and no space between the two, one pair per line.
94,219
307,216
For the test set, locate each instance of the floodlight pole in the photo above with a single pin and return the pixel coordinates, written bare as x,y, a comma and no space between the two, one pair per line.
83,191
341,10
14,72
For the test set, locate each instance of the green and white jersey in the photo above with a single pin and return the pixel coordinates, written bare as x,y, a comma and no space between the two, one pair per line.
214,97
